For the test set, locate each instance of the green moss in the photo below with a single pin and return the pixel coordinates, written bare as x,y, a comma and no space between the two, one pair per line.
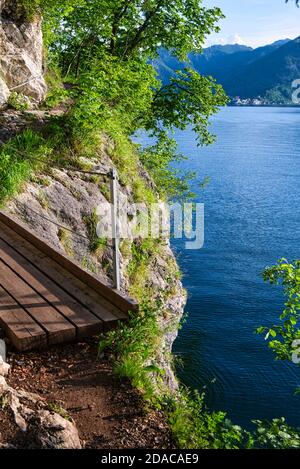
18,101
42,199
90,265
65,238
97,245
54,407
40,179
76,193
125,155
3,403
105,189
125,248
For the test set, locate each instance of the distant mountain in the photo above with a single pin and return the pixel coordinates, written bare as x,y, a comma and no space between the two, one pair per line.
219,61
215,61
249,73
277,68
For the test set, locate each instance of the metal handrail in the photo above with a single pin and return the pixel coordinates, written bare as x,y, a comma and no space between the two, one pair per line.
114,200
113,175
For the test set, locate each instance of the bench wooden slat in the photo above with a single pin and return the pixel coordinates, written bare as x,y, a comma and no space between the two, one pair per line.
20,328
107,312
85,322
113,296
57,327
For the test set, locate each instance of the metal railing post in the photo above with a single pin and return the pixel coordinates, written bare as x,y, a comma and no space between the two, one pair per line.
114,200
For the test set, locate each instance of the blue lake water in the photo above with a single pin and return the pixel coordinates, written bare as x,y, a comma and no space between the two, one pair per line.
252,218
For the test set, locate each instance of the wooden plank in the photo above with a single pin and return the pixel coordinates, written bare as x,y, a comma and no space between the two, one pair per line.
65,279
107,312
85,322
57,327
115,297
20,328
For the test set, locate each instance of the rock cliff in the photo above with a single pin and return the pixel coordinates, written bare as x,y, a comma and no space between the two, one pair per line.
60,207
21,55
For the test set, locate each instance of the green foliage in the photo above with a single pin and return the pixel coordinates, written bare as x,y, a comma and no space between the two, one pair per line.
30,8
54,407
112,89
104,189
57,93
18,101
159,160
276,434
52,12
195,428
190,99
97,245
284,334
19,158
64,237
280,94
131,28
134,345
105,47
126,157
143,251
128,93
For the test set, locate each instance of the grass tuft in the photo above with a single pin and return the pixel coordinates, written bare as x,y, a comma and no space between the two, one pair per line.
23,155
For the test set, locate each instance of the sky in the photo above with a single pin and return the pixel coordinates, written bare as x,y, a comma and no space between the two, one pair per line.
255,22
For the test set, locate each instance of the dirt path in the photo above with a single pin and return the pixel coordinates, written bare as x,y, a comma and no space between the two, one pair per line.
13,122
107,412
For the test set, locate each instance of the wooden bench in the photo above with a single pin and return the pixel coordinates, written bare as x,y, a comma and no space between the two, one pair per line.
47,298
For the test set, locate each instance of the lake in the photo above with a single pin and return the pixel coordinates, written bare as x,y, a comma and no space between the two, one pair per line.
251,220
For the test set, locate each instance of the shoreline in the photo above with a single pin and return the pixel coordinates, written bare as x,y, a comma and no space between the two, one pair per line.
265,105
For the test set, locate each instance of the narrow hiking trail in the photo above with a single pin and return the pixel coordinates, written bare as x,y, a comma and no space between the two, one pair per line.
107,412
13,122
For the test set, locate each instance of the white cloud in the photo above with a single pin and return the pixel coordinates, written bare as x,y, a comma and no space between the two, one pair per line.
232,39
236,39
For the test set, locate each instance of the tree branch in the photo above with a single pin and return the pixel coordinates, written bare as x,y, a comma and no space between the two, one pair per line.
137,38
115,25
297,2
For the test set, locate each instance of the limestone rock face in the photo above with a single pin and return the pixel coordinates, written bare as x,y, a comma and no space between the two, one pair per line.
4,93
69,200
54,432
42,429
4,367
21,54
